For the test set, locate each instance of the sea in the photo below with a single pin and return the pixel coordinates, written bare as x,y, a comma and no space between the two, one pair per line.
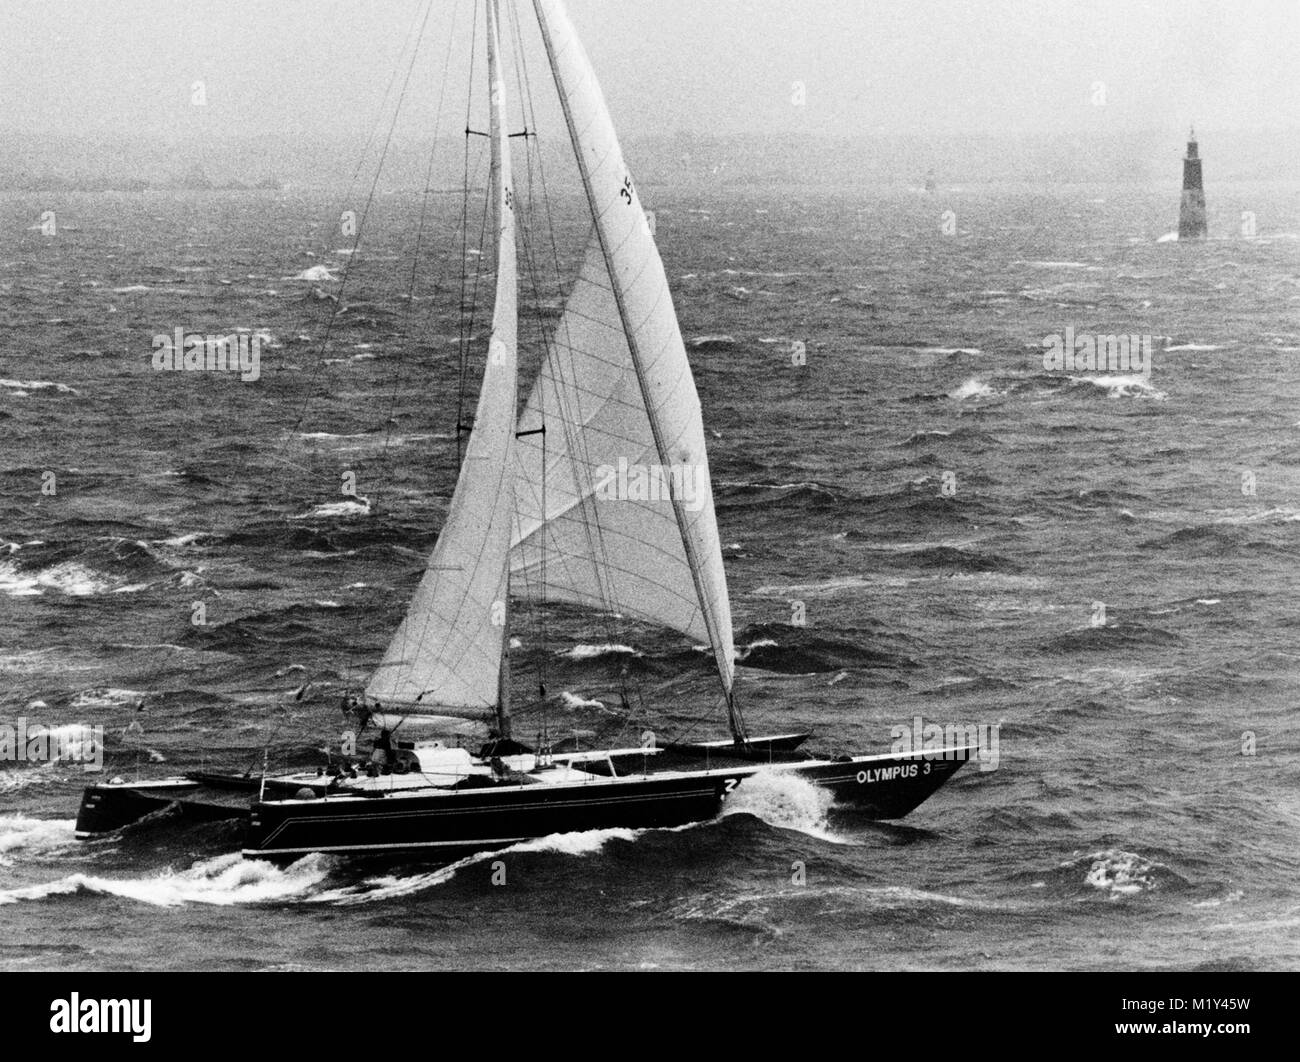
923,521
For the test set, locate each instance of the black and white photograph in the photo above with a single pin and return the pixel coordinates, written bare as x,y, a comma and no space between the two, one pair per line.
566,486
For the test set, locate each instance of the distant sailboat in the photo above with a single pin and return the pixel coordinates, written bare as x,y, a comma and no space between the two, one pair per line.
533,517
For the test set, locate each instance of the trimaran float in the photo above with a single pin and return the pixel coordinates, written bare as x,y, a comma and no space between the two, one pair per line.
531,513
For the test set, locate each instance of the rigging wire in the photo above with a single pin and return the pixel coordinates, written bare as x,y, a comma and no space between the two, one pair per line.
404,364
467,320
279,456
365,215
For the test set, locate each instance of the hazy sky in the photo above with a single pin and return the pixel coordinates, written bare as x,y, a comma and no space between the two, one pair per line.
868,66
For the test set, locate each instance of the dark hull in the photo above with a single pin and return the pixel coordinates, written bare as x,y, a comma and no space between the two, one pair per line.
105,808
198,797
447,825
686,784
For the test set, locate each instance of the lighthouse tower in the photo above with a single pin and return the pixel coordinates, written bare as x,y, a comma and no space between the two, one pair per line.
1191,215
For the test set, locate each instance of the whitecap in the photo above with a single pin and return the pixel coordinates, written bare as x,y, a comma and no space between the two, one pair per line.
221,881
184,540
1130,386
360,507
972,388
38,385
829,586
105,697
1119,873
315,273
784,800
387,887
68,578
1062,265
572,700
587,652
20,833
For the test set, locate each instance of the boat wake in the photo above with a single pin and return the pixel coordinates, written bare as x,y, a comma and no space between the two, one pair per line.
20,833
231,880
388,887
223,880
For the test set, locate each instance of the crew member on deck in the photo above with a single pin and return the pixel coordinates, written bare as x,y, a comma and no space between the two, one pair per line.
383,754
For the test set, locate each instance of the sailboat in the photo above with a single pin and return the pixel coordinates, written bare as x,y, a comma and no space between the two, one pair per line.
537,515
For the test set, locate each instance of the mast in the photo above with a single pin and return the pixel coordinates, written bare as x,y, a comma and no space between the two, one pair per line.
448,652
640,291
503,205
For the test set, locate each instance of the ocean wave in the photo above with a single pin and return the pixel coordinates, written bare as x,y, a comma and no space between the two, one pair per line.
18,833
1060,265
785,801
1118,873
341,509
791,650
801,495
22,388
1117,636
317,273
1097,497
589,652
13,778
572,701
950,558
1130,386
69,579
820,588
1280,514
974,388
112,564
289,627
758,272
181,541
964,436
712,342
388,887
1213,540
105,697
223,880
961,686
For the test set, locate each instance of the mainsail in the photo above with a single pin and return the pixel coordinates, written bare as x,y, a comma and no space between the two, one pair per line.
628,522
447,654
